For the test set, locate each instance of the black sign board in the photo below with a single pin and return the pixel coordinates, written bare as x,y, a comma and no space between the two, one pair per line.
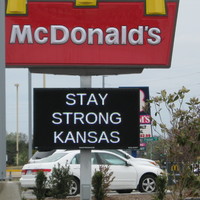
86,118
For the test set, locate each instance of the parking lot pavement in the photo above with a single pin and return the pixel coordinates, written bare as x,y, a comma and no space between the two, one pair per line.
28,194
10,190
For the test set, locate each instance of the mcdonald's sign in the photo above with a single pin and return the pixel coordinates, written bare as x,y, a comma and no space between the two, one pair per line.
95,35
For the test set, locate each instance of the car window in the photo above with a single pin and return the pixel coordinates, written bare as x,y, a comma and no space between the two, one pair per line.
42,154
119,153
52,158
76,159
109,159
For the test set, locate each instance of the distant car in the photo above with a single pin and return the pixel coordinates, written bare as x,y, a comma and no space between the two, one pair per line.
196,170
128,175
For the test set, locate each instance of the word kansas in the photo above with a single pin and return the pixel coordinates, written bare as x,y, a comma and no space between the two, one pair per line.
59,34
84,137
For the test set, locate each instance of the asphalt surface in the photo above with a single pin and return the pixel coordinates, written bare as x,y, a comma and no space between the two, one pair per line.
10,190
28,194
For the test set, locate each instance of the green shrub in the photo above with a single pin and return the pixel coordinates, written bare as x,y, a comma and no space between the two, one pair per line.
101,181
97,183
39,190
161,184
60,182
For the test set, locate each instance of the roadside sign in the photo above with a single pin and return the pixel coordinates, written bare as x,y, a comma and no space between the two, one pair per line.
149,139
58,37
86,118
143,144
145,116
142,148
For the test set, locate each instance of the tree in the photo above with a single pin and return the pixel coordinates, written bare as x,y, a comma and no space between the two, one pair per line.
11,148
156,151
180,130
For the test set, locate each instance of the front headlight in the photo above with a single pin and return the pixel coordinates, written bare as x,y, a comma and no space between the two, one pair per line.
154,163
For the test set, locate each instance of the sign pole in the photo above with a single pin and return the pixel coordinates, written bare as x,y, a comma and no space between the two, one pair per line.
85,159
3,92
30,114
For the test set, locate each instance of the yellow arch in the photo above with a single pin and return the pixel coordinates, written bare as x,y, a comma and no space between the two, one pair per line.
155,7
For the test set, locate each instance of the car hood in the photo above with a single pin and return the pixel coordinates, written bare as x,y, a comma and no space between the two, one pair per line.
144,161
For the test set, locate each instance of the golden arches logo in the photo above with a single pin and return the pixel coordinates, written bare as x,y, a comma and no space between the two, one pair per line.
153,7
156,7
16,7
175,168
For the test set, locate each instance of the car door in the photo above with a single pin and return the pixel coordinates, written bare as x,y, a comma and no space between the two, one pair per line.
125,174
75,164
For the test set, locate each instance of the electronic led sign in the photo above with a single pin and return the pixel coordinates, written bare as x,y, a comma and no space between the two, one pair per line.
86,118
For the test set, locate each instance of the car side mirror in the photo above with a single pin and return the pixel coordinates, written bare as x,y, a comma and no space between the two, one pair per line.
128,164
127,157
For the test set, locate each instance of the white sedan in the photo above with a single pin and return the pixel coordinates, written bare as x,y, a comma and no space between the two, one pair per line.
128,175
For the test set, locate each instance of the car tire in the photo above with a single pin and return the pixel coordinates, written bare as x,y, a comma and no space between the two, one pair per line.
124,191
147,183
75,187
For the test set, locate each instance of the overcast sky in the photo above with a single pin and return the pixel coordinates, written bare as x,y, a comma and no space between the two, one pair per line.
184,71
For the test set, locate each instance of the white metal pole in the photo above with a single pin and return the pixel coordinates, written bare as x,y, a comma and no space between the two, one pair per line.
85,160
3,94
17,124
30,114
44,80
103,81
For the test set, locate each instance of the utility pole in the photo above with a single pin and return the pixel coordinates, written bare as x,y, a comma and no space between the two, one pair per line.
30,114
17,123
3,94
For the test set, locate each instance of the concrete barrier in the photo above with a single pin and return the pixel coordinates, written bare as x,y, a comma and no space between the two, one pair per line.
10,190
13,174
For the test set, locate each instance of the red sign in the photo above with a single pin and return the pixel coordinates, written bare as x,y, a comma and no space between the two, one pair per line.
113,34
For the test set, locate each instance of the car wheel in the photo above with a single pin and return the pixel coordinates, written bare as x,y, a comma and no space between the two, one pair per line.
124,191
147,183
75,187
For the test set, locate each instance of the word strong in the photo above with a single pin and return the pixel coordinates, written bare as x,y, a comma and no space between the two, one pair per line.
86,118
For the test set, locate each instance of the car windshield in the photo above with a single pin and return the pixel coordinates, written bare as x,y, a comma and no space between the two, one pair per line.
54,157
